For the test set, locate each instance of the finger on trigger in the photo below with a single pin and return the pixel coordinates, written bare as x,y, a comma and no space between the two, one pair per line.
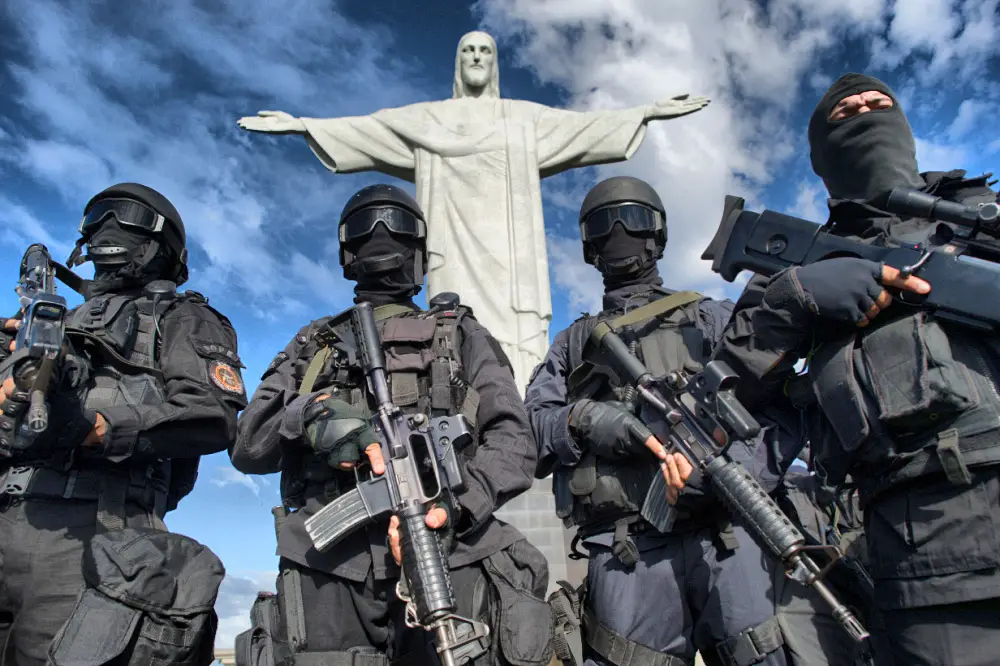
656,447
374,453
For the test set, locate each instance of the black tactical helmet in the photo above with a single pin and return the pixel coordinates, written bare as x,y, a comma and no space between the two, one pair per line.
155,215
390,206
627,201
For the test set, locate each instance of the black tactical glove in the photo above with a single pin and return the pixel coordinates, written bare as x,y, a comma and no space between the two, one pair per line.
339,430
610,431
840,290
12,414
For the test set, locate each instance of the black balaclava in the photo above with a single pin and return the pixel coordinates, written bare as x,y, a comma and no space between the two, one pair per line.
867,155
384,268
624,261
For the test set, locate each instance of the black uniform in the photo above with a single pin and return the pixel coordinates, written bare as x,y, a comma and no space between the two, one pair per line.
164,374
907,406
650,598
442,362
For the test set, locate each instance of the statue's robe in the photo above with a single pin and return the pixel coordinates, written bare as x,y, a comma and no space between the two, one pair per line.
477,164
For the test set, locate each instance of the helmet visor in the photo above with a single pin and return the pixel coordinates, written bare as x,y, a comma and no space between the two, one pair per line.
634,217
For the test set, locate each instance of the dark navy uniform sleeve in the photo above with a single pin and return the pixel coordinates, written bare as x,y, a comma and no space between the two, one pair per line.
713,317
762,344
549,411
204,392
274,415
505,457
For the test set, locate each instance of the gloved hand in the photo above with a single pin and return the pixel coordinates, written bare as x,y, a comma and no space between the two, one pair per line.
848,290
610,431
13,408
339,430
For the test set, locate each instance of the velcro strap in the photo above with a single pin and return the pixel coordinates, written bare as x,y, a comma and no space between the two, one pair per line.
619,650
753,645
470,406
405,388
951,458
338,659
441,384
295,613
565,606
623,548
111,503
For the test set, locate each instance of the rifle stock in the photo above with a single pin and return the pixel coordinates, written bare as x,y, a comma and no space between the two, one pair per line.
964,273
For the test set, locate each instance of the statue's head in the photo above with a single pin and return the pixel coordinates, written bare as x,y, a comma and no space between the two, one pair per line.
477,72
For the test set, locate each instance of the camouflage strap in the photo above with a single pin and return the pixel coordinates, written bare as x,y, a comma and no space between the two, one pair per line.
656,308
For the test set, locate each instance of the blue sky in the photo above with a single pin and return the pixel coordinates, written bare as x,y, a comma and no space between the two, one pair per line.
101,92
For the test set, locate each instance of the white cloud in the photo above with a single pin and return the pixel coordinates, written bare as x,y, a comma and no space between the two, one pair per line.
159,106
228,476
810,202
575,280
970,115
236,596
934,156
753,66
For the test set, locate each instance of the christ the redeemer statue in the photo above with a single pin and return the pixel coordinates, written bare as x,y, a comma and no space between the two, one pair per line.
477,161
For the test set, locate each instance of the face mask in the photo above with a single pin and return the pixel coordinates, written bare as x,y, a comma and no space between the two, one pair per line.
868,154
384,265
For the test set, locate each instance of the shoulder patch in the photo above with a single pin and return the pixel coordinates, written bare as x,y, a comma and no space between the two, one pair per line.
225,377
195,296
278,360
499,352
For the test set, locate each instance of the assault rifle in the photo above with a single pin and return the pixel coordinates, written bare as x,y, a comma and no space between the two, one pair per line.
964,273
421,462
701,415
39,340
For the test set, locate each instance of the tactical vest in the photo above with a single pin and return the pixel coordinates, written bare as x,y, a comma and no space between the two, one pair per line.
913,395
121,335
597,495
425,374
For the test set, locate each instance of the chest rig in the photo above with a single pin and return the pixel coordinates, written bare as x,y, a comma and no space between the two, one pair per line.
120,336
425,371
597,495
912,395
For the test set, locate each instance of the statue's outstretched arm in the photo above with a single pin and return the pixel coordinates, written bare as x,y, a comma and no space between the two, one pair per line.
675,107
273,122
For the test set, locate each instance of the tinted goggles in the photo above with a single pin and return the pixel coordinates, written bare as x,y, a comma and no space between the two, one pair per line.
396,220
128,213
633,217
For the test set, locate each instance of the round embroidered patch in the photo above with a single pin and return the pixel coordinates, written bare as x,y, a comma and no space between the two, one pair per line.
225,377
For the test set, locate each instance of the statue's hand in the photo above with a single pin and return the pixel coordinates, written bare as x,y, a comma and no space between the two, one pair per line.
675,107
273,122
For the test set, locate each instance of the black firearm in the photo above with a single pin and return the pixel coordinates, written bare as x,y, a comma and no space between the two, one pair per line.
421,462
964,273
39,340
701,414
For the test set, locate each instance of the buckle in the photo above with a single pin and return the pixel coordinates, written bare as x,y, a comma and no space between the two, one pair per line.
15,482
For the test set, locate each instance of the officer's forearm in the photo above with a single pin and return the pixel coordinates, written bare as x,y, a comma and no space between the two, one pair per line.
179,428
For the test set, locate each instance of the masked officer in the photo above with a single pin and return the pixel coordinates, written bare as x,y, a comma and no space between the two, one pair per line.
649,597
149,383
903,402
340,605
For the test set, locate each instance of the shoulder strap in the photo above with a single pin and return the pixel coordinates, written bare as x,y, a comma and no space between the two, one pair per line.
391,310
656,308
